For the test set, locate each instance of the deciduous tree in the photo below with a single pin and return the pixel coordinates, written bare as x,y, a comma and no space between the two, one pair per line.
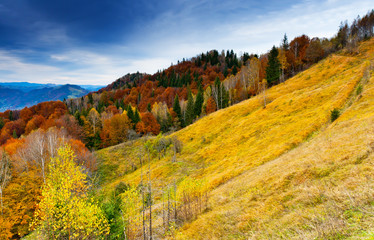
66,211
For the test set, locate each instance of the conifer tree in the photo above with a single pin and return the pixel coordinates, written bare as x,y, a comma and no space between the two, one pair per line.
190,111
130,113
177,107
15,134
273,68
285,44
136,117
234,70
199,102
1,123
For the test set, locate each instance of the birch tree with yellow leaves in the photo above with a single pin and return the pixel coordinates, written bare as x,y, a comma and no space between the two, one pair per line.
66,211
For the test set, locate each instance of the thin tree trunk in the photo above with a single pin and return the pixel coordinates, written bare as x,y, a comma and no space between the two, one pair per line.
43,170
264,95
150,197
141,180
1,199
175,202
168,216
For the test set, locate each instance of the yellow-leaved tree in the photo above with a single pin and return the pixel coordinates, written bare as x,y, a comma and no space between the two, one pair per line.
65,210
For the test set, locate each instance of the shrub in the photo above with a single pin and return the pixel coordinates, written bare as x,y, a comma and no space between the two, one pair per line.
335,114
359,89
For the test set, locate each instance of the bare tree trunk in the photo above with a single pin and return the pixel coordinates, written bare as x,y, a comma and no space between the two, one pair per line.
221,95
264,95
1,199
175,154
43,171
150,196
175,202
163,209
143,199
168,215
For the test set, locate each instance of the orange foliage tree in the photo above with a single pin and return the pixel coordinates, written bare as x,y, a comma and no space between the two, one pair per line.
211,105
115,130
148,124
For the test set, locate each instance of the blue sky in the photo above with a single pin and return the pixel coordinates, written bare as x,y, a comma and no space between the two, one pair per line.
95,42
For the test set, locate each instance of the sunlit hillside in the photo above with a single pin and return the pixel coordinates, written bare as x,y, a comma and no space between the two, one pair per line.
280,171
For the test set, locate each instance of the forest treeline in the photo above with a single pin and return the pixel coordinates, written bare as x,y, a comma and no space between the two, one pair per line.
141,104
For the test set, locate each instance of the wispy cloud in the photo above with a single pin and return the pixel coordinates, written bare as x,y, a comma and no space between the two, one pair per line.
181,30
252,32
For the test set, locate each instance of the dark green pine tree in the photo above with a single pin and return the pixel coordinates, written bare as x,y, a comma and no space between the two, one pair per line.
139,98
11,116
177,109
1,123
285,44
199,102
90,98
100,107
190,110
136,117
225,71
15,134
273,68
149,108
130,113
234,70
77,116
117,104
122,104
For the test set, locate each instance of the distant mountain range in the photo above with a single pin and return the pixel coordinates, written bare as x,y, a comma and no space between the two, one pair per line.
17,95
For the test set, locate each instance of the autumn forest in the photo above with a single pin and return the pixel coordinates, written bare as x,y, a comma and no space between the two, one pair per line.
64,176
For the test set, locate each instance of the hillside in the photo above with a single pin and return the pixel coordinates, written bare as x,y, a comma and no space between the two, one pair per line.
284,171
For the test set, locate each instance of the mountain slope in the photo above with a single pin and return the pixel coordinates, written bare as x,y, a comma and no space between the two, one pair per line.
277,172
321,189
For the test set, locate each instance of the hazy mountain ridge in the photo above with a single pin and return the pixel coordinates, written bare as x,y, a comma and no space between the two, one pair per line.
20,95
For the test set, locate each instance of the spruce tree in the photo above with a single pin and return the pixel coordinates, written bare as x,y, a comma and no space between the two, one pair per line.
225,71
285,44
234,70
122,104
136,116
190,111
273,68
1,123
90,99
15,134
177,109
149,108
77,116
199,102
130,113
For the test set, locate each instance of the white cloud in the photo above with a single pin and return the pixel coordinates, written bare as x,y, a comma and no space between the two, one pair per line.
177,34
89,68
174,37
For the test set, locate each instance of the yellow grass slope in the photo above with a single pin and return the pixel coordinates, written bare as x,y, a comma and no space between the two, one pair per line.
281,171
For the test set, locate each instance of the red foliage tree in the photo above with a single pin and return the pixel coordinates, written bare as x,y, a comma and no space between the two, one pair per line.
26,114
148,124
211,105
35,123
